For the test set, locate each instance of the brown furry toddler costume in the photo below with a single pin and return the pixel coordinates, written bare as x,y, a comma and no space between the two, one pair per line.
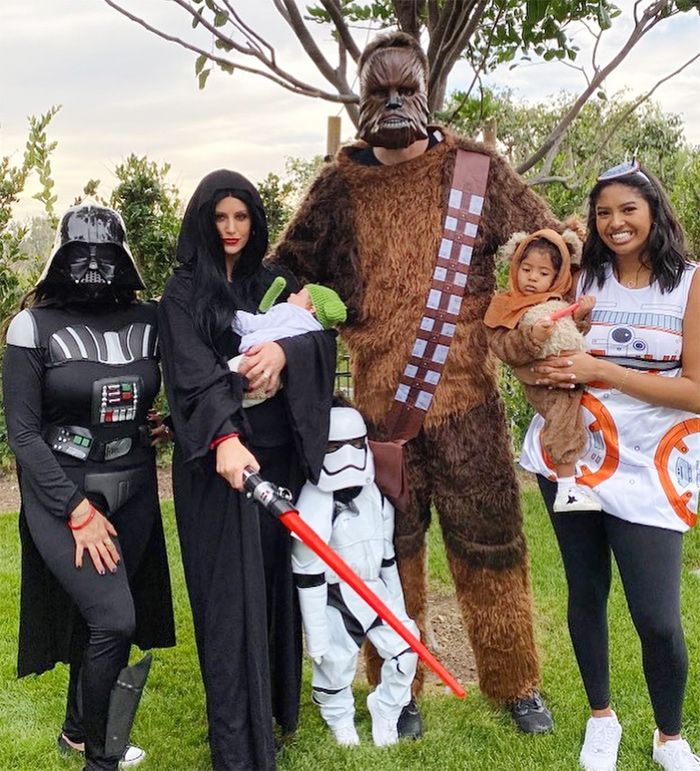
509,321
372,233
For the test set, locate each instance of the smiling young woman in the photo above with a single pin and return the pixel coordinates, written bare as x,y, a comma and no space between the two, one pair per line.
642,393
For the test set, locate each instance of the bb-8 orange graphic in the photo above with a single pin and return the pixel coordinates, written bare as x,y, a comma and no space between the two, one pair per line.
679,479
641,461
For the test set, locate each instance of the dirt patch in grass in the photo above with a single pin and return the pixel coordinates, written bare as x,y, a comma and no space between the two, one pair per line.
446,636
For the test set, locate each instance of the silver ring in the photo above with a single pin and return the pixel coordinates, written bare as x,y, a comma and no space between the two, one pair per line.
266,375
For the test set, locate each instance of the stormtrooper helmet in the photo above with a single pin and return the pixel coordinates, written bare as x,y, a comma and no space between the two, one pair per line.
348,461
91,250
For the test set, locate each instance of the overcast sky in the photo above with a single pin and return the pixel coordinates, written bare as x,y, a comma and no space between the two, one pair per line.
122,90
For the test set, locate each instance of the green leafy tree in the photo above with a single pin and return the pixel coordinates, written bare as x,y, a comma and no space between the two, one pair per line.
685,196
281,195
275,194
13,180
150,206
607,132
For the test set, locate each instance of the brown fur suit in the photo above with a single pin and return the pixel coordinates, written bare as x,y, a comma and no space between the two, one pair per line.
372,233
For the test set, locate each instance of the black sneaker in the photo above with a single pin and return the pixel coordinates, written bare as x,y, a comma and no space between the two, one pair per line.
409,725
531,715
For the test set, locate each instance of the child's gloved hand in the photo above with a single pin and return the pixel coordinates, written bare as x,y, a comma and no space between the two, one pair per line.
542,330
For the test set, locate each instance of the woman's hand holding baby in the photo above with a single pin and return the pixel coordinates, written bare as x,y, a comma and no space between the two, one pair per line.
263,365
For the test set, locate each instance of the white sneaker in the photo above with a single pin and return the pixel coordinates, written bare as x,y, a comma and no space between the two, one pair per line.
600,744
384,732
132,756
674,755
346,735
575,498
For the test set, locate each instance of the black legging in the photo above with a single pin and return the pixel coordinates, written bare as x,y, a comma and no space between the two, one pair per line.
649,561
102,637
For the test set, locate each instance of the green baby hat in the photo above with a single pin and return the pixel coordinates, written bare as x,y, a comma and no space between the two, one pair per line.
330,309
273,292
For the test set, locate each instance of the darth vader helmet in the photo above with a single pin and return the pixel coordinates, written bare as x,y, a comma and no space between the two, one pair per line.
348,461
91,250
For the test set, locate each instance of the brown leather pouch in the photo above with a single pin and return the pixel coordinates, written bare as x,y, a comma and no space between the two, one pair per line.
390,473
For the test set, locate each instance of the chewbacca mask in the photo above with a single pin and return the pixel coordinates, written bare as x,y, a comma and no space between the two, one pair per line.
393,99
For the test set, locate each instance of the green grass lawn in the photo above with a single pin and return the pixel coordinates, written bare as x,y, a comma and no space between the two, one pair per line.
458,735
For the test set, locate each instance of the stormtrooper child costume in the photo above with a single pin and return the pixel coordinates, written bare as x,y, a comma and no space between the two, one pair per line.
348,511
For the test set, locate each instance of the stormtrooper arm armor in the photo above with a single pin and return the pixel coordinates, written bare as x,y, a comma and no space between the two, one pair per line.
390,572
316,509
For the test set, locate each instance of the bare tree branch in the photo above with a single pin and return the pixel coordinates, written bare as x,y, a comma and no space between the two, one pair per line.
544,176
334,11
433,15
634,106
563,181
334,76
458,28
408,13
649,19
282,10
249,32
479,69
308,43
293,85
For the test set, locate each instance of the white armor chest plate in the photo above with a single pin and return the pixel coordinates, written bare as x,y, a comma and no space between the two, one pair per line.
358,535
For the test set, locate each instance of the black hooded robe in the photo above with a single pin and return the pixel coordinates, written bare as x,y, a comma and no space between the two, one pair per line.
237,557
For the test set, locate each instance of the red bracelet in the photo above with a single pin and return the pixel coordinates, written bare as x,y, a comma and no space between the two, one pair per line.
87,520
220,439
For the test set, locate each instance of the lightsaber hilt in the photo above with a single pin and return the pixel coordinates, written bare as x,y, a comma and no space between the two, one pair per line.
274,499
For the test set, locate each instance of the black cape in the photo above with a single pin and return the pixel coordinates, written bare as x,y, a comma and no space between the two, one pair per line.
237,557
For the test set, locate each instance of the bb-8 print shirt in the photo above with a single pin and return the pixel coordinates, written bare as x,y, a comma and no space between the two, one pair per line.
642,461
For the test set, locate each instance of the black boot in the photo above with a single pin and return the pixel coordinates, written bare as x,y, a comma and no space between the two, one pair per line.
531,715
409,725
123,703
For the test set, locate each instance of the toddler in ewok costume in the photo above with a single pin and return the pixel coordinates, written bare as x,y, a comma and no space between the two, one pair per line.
348,512
520,329
371,227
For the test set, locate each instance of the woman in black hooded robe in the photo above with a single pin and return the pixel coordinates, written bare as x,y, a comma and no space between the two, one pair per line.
236,556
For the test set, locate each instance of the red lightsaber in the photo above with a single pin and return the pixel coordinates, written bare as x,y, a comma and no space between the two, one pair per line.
563,312
273,500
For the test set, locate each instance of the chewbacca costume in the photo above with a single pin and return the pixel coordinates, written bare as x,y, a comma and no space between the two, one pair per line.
372,233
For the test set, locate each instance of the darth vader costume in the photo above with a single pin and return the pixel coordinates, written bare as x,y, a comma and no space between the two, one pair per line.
236,557
80,374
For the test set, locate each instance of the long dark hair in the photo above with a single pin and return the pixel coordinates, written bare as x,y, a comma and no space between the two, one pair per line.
215,297
201,253
666,244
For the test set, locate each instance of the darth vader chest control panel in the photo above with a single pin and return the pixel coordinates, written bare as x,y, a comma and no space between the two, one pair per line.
116,399
115,402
